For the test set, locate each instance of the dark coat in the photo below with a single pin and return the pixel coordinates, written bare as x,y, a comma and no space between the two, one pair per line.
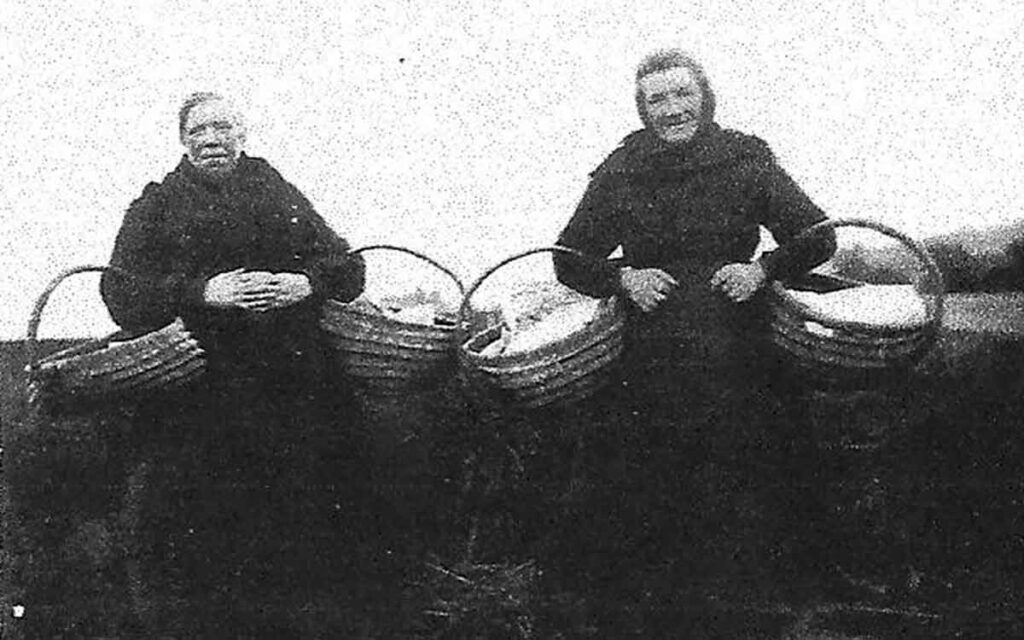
184,230
691,210
242,472
270,384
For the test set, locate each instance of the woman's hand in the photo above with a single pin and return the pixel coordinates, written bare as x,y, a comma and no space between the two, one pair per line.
647,288
289,288
256,291
239,289
740,280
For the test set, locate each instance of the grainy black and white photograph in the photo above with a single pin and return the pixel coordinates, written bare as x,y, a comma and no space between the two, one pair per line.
512,320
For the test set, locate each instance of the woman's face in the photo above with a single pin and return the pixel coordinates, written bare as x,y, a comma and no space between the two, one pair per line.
673,100
213,137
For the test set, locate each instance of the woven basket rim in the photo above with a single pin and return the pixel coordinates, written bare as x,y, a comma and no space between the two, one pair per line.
106,365
80,375
583,364
335,308
605,327
932,298
836,343
374,346
169,336
819,355
782,316
880,352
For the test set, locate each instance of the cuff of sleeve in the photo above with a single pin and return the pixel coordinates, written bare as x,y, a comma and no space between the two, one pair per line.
341,277
617,287
316,283
194,292
767,263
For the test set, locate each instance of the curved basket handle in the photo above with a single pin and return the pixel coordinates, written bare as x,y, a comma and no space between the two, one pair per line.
529,252
390,247
31,342
932,273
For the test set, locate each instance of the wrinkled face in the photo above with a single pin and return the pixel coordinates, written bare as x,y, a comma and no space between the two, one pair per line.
213,137
673,101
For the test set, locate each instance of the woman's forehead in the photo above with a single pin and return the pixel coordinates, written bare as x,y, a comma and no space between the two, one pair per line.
213,111
671,78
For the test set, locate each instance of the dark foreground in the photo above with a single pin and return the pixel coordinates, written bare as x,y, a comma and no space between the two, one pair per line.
901,517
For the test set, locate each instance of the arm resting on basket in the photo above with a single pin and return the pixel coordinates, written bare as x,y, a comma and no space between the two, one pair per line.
592,230
153,294
170,273
785,210
332,271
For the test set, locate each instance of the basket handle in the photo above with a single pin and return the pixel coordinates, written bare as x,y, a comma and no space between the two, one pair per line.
31,340
428,259
935,289
523,254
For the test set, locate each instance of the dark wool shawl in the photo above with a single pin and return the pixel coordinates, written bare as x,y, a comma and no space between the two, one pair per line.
184,230
690,209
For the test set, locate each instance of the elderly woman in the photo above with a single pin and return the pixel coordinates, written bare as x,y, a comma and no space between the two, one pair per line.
685,200
238,472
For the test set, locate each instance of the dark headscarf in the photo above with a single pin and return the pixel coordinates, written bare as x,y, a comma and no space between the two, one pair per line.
671,59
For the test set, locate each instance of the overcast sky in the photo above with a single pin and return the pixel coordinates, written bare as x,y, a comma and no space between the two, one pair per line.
466,130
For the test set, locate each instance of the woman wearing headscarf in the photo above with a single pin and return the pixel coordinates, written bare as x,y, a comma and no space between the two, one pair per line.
685,200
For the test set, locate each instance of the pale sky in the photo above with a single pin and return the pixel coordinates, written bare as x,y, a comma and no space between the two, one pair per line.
466,130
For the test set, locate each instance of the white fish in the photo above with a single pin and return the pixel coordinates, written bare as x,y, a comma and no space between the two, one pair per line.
556,325
873,304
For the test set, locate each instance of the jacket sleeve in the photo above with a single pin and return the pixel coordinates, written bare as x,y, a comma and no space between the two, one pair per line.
785,210
594,230
144,291
332,270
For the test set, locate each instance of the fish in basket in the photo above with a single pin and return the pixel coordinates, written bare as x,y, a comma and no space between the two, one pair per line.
554,350
393,346
115,365
830,323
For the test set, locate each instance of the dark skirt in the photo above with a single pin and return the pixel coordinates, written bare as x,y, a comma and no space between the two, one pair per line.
241,503
681,448
697,367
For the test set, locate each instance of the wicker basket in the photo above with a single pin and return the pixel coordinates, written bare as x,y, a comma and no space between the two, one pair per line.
822,342
558,373
389,354
110,366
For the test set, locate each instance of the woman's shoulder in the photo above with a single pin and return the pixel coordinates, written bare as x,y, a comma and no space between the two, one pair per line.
714,146
159,196
624,158
173,182
153,200
258,168
257,173
735,143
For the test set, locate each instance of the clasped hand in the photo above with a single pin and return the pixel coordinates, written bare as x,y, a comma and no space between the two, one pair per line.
740,280
648,288
256,291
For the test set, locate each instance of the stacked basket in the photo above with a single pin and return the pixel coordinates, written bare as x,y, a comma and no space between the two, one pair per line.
558,373
388,354
826,344
111,366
